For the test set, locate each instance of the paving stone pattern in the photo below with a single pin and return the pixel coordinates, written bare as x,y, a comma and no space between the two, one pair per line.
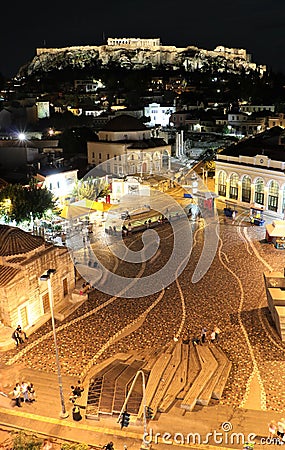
230,295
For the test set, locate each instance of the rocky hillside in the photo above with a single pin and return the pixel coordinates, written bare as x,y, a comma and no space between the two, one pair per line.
168,57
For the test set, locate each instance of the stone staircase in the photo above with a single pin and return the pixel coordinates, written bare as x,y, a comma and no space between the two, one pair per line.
194,375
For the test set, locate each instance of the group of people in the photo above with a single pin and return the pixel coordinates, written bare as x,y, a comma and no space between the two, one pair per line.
205,337
75,392
24,392
19,335
277,430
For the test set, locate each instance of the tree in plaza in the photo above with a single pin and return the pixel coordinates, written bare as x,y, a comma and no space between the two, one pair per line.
24,203
90,188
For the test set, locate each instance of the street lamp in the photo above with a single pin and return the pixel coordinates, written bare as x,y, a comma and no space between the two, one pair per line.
47,277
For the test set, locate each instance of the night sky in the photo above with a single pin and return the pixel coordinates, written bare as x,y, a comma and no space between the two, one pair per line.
256,25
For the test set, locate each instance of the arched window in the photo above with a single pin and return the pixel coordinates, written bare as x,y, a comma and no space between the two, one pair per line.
222,177
246,189
234,186
273,193
259,191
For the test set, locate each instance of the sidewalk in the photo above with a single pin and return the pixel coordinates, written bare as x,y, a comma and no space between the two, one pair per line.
206,428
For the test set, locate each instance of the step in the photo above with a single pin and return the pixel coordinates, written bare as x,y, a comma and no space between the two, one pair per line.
108,387
179,381
123,380
154,379
204,375
167,378
225,366
194,368
209,359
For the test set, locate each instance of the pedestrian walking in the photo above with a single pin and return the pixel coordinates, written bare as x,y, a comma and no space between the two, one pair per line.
17,394
124,230
203,335
130,228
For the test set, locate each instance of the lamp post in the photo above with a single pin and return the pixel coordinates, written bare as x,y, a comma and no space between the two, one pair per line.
47,277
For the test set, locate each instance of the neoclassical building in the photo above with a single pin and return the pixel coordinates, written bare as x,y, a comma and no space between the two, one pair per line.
253,172
127,146
24,258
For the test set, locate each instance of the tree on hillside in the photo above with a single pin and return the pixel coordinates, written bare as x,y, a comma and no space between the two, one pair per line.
19,203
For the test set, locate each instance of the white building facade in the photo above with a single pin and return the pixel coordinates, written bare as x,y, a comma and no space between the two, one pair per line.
159,115
256,180
126,146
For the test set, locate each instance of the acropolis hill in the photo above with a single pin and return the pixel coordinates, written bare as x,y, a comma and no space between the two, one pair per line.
136,53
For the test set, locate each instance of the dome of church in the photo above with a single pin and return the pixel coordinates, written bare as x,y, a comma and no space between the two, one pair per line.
124,122
14,241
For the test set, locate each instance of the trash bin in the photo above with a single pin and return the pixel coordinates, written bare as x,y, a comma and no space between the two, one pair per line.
76,415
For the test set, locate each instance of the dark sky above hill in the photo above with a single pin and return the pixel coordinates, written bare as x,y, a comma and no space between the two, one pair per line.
256,25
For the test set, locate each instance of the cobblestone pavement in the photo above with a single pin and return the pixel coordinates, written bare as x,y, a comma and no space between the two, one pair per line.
230,295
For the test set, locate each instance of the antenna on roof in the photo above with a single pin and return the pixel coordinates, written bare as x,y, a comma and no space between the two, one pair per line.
44,43
103,37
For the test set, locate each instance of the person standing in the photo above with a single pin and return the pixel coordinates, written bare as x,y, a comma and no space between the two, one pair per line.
129,228
24,391
78,389
212,337
16,337
203,335
281,428
17,394
31,392
217,333
272,428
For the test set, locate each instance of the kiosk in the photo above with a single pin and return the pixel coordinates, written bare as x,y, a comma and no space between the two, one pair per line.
256,215
275,233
